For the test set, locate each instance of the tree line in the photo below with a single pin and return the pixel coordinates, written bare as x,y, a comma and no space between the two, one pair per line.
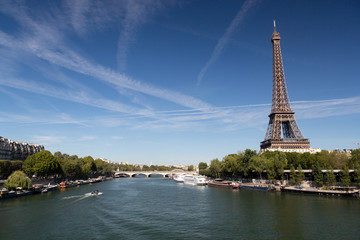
271,165
44,164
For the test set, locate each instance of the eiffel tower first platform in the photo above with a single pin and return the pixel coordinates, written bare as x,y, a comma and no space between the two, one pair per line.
283,133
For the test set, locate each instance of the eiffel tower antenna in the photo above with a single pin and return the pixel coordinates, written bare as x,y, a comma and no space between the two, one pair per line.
274,26
283,132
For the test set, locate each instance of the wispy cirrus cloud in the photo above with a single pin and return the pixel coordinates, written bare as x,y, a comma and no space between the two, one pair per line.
231,118
41,117
137,13
53,51
86,138
48,140
248,4
87,16
45,42
327,108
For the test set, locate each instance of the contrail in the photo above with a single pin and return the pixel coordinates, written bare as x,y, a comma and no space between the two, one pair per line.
248,4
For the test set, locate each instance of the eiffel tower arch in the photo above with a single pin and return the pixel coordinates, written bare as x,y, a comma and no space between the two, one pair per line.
283,132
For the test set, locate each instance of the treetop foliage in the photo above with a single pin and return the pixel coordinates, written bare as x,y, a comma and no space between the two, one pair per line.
18,179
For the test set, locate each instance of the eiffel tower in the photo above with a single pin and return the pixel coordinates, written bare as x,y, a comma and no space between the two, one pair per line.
283,133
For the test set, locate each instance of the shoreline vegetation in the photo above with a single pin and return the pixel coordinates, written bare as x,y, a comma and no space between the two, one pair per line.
323,171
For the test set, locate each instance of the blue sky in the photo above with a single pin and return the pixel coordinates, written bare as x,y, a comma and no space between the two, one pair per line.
175,82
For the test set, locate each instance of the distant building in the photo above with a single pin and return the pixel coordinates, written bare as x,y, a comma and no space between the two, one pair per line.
346,151
300,150
105,160
14,150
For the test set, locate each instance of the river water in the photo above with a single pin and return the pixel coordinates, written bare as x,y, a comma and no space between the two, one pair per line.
161,209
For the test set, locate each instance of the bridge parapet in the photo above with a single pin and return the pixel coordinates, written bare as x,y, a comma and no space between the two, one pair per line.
149,173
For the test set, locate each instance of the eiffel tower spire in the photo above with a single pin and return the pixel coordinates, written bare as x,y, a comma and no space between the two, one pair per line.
283,133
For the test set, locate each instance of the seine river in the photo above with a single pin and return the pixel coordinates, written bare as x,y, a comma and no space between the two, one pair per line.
161,209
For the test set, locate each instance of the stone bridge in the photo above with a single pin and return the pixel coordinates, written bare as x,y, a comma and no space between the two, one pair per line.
150,174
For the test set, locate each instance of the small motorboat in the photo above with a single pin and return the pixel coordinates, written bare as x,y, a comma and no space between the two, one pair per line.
95,193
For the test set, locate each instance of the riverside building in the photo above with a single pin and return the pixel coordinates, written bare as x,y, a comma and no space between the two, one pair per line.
15,150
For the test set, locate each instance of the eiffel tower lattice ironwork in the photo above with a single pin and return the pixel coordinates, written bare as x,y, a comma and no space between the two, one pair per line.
283,133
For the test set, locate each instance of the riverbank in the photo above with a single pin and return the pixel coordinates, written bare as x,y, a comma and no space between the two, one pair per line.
307,187
340,192
44,188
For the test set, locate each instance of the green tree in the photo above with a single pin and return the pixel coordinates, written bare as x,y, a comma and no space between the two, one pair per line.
203,168
337,160
345,177
270,169
257,164
203,165
230,165
307,160
42,163
18,179
300,175
293,159
292,174
355,159
9,166
107,169
215,168
72,168
275,164
243,161
330,178
191,168
318,175
146,168
357,176
88,166
58,155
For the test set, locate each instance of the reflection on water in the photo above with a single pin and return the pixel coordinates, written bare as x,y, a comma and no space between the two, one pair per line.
138,208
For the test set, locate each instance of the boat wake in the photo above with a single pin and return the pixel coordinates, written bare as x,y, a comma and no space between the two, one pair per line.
82,196
71,197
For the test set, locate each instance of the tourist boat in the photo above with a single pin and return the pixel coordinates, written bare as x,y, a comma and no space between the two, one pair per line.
179,178
194,180
51,187
223,183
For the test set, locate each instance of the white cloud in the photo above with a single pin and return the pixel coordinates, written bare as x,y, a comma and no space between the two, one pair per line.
248,4
48,140
86,138
44,40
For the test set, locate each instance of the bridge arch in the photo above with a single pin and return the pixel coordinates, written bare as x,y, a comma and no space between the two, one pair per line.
155,174
145,174
139,175
121,175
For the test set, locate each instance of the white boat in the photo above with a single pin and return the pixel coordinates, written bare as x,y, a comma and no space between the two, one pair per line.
179,178
195,180
94,193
